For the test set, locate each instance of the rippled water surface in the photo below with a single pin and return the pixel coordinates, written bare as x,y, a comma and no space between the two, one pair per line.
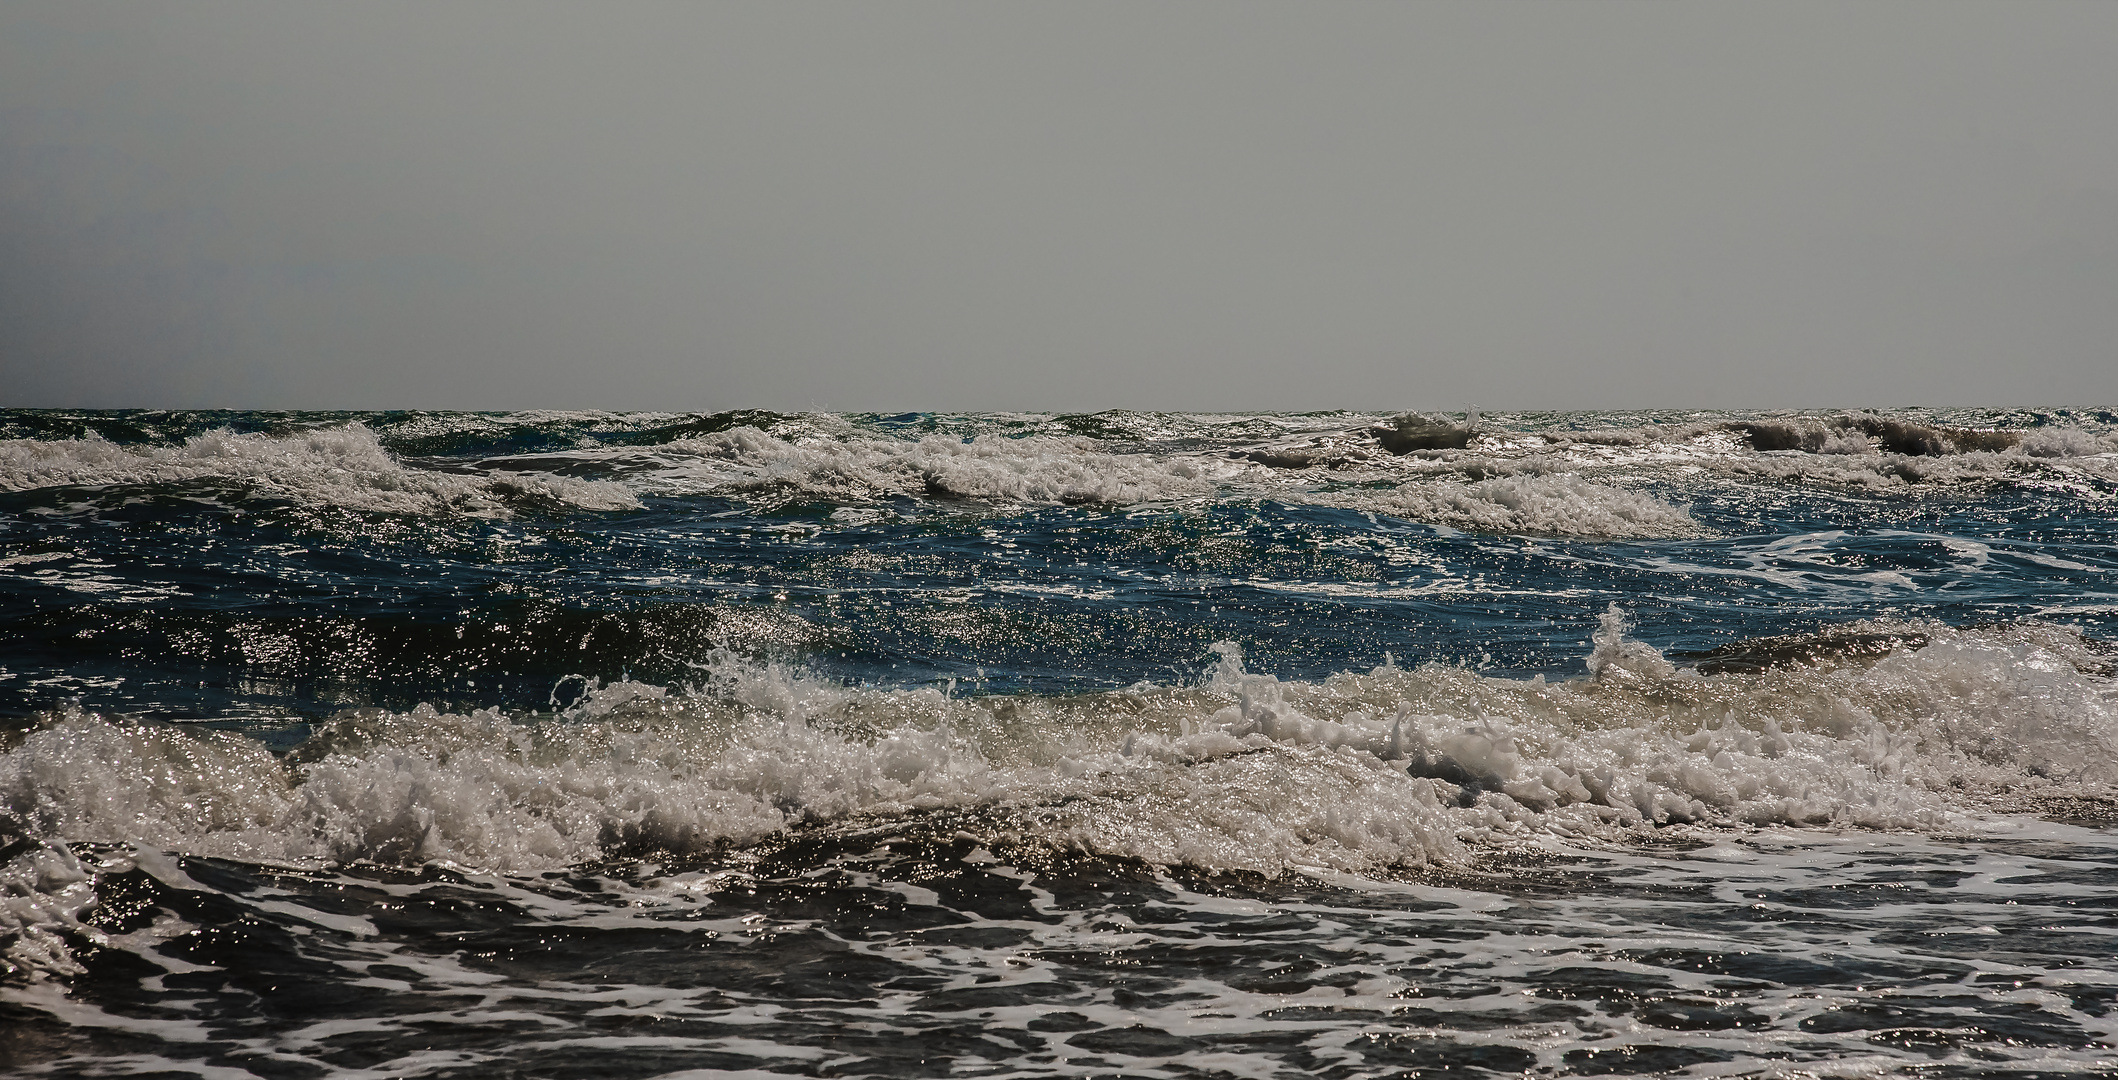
583,744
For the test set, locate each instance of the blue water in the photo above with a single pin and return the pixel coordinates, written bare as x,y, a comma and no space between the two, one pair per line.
1265,743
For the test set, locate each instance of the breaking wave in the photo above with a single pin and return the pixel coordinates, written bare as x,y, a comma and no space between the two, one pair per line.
1561,505
1499,473
1361,771
1070,470
338,466
1033,469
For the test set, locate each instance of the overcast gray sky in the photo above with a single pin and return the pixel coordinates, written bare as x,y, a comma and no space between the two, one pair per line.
1057,206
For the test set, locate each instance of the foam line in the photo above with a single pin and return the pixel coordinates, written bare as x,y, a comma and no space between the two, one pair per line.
338,466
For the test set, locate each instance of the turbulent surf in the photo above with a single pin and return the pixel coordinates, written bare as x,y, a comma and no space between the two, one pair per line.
654,744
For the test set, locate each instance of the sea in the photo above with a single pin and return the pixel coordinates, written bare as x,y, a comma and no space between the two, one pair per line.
1342,744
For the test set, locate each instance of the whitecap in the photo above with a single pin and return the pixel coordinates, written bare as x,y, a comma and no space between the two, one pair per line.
1357,772
336,466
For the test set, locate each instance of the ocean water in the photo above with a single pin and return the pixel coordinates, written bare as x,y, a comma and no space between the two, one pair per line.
654,745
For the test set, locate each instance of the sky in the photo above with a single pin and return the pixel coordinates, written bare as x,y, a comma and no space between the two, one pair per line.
1057,206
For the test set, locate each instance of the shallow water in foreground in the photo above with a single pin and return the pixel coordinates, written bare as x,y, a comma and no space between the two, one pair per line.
637,745
927,952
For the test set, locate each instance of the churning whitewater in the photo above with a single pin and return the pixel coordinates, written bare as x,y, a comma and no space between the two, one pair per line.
642,745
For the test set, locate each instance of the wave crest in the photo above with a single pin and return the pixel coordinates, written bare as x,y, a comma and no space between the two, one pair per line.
1558,505
338,466
1031,469
1243,771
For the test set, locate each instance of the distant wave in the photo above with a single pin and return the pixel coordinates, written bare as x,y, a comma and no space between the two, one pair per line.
1073,470
1032,469
1564,506
338,466
1588,476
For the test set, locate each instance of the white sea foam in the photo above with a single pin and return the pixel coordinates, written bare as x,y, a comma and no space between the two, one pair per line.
44,891
1833,449
1034,469
1533,478
1501,496
338,466
1354,772
1900,472
1560,505
1547,482
2061,442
